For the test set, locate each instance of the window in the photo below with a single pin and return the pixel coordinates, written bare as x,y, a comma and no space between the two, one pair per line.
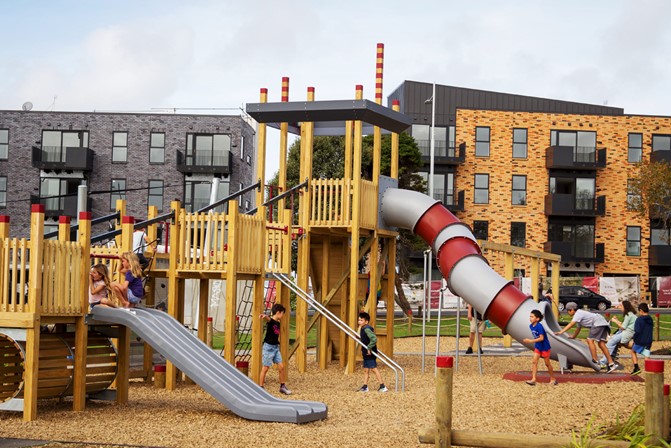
633,241
197,194
633,199
481,229
482,141
661,143
120,147
578,237
518,234
54,143
4,143
118,192
481,192
660,236
242,148
157,147
635,148
582,189
3,191
519,190
519,143
582,142
208,149
156,194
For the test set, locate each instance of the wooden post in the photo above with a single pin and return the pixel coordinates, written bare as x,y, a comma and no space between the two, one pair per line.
323,334
173,284
230,331
31,363
444,376
81,329
210,332
555,289
667,418
203,308
4,226
509,273
63,228
396,106
261,155
654,401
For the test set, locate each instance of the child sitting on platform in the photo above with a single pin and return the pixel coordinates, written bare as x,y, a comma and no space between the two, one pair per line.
100,291
131,290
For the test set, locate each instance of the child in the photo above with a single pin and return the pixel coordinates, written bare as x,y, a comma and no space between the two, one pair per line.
99,286
130,291
642,341
271,346
541,347
367,335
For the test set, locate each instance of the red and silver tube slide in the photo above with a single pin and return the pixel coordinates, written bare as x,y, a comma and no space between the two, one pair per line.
468,274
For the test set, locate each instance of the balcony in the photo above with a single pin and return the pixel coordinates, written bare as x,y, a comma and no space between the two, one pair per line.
575,158
568,205
443,155
207,163
69,158
569,252
659,255
455,202
660,156
55,207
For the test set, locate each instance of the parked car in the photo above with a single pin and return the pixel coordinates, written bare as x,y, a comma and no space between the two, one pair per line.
581,296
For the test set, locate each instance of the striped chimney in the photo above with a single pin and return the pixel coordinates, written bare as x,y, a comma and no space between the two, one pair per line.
379,66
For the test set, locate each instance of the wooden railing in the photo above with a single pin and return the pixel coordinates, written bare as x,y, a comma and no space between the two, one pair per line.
203,242
279,251
14,275
251,232
109,256
61,278
331,202
368,204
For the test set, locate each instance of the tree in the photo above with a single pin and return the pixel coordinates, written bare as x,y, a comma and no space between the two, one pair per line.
650,193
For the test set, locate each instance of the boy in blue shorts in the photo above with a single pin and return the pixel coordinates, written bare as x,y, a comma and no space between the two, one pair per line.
541,347
367,335
271,346
642,342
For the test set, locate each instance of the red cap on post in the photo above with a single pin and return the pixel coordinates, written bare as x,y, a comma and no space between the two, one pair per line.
4,218
128,220
159,368
37,208
666,389
63,220
311,90
395,102
654,365
264,90
209,319
444,362
85,216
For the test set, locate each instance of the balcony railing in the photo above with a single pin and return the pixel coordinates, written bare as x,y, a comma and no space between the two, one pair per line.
63,206
660,156
208,163
444,154
62,158
569,205
570,251
659,255
454,201
580,157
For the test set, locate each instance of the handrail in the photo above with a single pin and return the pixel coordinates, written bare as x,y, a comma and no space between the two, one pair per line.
106,218
279,196
341,325
207,208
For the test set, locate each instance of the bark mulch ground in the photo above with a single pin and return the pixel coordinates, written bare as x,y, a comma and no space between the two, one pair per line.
188,417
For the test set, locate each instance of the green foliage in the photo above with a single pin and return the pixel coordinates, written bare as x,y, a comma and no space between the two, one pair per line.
650,192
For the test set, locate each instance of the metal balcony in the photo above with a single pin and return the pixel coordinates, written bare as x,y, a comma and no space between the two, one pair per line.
62,158
660,156
568,205
210,164
575,158
455,203
659,255
567,250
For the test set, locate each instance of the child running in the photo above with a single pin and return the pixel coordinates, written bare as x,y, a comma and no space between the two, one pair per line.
130,291
541,347
271,347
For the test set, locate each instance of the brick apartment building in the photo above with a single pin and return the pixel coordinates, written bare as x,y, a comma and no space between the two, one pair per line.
544,174
145,158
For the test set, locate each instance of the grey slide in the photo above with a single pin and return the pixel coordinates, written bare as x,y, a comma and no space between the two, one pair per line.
210,371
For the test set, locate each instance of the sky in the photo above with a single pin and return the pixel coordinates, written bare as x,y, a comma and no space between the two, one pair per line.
213,56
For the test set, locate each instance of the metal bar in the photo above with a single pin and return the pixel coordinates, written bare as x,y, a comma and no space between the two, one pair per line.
93,222
230,197
281,196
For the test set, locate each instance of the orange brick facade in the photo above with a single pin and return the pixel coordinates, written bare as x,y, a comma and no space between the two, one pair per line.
611,181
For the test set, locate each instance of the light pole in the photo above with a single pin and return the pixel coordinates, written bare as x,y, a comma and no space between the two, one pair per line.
432,151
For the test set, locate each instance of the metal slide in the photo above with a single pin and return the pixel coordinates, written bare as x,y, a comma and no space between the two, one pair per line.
210,371
469,275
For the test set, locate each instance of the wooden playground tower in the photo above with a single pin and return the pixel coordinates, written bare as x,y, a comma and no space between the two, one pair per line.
337,225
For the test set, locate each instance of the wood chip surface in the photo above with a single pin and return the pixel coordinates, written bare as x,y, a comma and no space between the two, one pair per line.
189,417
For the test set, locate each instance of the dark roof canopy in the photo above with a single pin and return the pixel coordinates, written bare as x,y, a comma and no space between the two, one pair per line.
329,116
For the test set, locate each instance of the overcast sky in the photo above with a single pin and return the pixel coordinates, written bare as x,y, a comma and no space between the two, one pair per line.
132,55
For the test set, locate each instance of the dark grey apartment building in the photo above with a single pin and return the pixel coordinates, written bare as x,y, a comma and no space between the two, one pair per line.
145,158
